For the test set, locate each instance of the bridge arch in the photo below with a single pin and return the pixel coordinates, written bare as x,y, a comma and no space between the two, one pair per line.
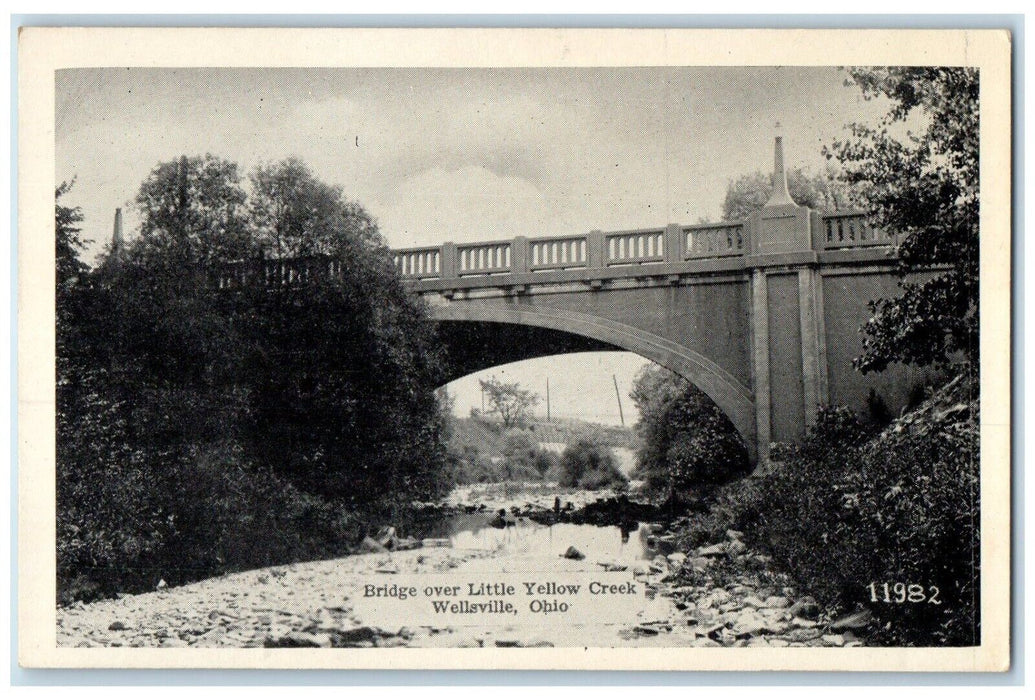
732,397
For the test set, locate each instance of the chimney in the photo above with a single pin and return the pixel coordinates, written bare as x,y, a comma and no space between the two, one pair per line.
781,196
116,236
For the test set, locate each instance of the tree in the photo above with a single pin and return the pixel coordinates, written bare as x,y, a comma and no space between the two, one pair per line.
523,458
923,186
509,400
821,191
192,210
685,441
294,213
590,465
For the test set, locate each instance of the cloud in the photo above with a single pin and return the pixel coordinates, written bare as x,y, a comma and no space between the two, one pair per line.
469,203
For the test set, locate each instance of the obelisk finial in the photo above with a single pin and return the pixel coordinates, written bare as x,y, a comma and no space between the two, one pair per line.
781,196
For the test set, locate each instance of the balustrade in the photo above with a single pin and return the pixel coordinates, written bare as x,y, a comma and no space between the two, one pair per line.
483,258
852,230
635,247
713,240
557,253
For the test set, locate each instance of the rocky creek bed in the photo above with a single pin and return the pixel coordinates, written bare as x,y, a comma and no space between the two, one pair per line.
712,596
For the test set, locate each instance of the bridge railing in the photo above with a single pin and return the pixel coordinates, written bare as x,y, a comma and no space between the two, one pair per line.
598,250
851,229
418,263
483,258
635,247
558,253
277,272
713,240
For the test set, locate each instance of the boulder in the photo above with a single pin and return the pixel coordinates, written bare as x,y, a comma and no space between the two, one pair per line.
804,607
117,626
676,560
734,535
855,621
385,536
776,601
369,546
573,553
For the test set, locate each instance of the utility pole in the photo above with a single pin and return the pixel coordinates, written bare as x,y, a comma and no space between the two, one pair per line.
547,399
618,395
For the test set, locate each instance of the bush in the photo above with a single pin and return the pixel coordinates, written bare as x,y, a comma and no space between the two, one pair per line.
849,509
587,465
686,442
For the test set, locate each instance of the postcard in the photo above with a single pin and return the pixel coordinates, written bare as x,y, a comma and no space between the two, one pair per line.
646,349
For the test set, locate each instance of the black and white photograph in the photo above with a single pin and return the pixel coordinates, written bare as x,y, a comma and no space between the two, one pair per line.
685,359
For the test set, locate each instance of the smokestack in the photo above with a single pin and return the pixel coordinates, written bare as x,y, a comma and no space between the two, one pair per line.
116,235
781,196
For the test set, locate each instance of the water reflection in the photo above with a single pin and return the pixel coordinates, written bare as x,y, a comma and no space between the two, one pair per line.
526,537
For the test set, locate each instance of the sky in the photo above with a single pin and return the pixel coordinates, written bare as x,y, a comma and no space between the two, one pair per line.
464,154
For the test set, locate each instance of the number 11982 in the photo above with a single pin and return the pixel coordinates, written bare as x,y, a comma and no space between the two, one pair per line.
904,593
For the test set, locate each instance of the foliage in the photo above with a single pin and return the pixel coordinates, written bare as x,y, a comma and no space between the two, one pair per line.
822,191
686,442
924,186
508,400
193,210
523,458
202,431
294,214
589,465
897,506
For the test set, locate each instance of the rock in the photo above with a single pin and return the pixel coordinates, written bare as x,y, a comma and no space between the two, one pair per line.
173,642
777,642
385,537
705,642
356,636
856,620
834,640
805,607
753,601
117,626
508,643
801,635
776,601
750,623
700,563
294,640
734,535
676,560
405,543
387,567
735,547
469,643
162,584
368,546
573,553
613,566
715,550
435,542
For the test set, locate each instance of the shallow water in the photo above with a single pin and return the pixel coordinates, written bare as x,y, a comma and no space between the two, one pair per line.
528,538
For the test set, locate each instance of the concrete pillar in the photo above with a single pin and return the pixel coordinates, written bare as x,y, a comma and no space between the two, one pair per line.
674,243
813,343
760,350
448,269
519,255
595,250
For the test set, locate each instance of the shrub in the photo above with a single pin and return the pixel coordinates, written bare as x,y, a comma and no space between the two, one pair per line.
686,442
588,465
849,509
